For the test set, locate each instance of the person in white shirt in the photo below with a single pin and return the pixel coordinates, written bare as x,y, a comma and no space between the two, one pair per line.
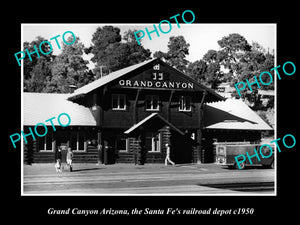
168,156
70,158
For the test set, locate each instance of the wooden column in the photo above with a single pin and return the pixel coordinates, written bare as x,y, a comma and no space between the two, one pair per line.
140,146
199,131
199,145
135,114
169,104
95,109
100,147
101,112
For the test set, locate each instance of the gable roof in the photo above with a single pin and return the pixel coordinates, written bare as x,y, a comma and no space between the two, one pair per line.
232,114
106,79
38,107
120,73
150,117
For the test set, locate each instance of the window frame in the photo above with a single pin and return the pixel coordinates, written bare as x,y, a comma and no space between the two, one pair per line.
77,135
184,100
119,138
159,144
151,103
44,138
118,97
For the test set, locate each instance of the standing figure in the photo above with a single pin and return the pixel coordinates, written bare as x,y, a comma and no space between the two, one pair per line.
69,158
100,159
58,158
168,156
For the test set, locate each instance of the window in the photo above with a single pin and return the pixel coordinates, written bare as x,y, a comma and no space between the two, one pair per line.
185,103
121,144
45,143
153,141
152,102
77,141
118,102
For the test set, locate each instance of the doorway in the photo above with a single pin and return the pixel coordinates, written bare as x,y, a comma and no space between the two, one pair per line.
181,148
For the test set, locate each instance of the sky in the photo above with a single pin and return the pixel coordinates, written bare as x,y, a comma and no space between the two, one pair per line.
201,37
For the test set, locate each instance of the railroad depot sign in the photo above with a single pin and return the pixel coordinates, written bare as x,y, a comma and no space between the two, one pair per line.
158,78
156,84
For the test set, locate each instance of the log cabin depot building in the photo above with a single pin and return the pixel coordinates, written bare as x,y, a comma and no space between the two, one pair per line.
131,114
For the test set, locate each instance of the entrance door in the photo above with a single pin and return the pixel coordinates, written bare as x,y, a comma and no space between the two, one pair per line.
181,148
109,142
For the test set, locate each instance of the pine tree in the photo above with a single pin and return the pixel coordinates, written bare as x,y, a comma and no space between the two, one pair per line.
110,53
69,69
37,70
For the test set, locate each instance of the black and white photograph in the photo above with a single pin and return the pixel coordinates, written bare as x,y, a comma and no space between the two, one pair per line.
129,109
146,112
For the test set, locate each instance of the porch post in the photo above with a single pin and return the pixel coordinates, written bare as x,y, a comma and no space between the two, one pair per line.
199,131
169,104
140,146
135,115
199,145
100,147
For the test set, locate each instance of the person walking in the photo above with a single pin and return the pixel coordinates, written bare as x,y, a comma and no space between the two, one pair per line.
58,158
168,155
70,158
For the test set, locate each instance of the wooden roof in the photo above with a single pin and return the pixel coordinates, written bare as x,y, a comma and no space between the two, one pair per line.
39,107
232,114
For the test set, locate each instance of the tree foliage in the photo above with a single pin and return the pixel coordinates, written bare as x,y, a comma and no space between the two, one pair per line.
68,69
37,70
207,70
49,73
235,61
111,53
61,73
245,61
178,49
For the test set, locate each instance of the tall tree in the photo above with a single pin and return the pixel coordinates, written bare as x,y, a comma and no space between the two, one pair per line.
37,70
234,48
213,75
178,49
110,53
69,69
207,70
245,61
102,38
197,71
137,52
38,76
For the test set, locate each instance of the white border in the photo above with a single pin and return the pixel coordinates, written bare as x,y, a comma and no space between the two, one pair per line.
22,115
166,194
